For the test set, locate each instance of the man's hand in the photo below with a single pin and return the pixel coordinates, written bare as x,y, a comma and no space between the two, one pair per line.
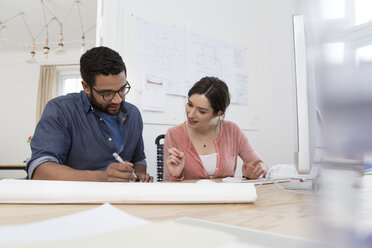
175,162
117,172
253,169
142,176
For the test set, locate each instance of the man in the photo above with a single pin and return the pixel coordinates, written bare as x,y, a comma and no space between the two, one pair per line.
78,133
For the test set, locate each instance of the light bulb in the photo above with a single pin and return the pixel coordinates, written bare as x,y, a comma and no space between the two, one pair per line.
46,47
82,50
60,48
32,59
46,51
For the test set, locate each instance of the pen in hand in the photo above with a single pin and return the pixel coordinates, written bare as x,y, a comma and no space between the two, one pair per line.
120,160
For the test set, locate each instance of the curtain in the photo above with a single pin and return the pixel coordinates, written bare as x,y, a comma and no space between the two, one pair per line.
47,88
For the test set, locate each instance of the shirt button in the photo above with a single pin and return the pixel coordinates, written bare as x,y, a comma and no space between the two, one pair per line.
216,168
109,139
100,119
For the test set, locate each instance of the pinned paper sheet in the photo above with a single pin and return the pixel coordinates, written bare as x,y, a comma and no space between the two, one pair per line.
153,94
42,191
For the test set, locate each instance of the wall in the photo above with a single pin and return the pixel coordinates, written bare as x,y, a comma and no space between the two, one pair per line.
265,25
19,82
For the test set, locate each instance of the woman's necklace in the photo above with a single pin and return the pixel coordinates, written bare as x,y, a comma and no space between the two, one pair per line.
209,137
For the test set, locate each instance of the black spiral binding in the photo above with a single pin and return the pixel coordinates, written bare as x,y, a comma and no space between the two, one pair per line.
159,157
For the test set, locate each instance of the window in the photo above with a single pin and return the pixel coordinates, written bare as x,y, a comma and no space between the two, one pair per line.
334,52
363,11
332,9
69,84
69,80
363,54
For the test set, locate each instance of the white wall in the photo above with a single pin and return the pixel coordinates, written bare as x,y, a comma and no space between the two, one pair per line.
266,25
19,83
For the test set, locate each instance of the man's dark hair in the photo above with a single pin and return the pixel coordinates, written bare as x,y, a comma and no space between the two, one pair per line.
215,90
100,60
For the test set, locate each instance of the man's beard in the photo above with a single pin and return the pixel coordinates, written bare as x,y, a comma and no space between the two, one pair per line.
100,107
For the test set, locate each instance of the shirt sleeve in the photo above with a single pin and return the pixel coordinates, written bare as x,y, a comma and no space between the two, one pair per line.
139,156
51,140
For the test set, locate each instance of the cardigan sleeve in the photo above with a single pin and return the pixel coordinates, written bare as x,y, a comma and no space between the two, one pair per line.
245,149
168,143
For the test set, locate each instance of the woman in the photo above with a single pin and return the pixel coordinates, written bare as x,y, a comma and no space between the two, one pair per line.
205,146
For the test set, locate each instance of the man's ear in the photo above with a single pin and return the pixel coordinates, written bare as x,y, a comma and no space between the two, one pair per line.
86,87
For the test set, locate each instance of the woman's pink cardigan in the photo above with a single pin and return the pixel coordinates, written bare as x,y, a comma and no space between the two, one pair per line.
230,144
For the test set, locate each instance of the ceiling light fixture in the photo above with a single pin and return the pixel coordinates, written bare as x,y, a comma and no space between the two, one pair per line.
32,60
49,17
82,49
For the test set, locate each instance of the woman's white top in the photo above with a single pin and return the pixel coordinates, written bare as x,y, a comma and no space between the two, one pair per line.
210,163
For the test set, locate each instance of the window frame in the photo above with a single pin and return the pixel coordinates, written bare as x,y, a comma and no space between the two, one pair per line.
66,72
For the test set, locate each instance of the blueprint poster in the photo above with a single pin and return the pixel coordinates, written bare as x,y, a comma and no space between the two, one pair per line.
178,59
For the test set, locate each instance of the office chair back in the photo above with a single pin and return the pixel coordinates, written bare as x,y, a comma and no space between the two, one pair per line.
159,141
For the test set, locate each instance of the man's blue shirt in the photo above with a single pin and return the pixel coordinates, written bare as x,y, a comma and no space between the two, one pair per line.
70,132
113,125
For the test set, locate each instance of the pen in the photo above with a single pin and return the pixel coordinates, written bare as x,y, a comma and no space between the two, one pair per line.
120,160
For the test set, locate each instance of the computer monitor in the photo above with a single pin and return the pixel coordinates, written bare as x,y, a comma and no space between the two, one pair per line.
303,157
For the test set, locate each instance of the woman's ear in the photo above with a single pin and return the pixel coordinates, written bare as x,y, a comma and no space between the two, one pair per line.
219,113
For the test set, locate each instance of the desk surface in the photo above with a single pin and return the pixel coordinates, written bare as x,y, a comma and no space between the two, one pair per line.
275,210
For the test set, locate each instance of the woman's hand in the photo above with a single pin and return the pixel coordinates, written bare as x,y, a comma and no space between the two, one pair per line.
175,162
253,169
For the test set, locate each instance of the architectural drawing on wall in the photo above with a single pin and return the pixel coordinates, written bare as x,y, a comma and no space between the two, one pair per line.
204,58
238,91
181,58
162,53
208,61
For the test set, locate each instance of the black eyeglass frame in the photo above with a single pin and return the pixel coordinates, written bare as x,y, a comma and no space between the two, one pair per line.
112,93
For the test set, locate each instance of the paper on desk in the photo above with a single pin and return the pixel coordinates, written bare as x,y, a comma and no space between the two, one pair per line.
41,191
254,181
118,230
249,238
102,219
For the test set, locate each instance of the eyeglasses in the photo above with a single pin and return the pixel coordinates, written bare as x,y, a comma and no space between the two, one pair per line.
108,95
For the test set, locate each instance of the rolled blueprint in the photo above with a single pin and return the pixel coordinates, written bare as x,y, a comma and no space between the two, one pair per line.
42,191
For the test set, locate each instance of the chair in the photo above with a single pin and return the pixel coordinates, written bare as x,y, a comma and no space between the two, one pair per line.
159,157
